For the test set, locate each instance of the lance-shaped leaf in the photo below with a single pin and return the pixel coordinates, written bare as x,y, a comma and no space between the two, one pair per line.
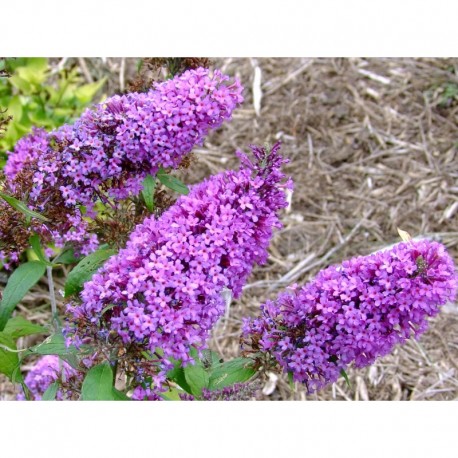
22,207
197,378
38,250
238,370
172,182
345,376
196,375
67,257
149,186
21,280
55,345
51,392
20,327
85,269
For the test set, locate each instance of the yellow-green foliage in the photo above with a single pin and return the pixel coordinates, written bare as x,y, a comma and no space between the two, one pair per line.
34,96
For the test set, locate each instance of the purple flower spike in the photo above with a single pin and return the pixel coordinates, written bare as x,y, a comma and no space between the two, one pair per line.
127,137
164,290
45,372
354,312
111,148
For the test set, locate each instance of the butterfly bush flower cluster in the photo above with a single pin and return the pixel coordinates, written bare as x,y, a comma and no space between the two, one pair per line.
164,290
46,371
111,148
357,311
128,137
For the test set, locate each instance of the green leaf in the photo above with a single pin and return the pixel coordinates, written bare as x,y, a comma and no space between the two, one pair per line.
85,269
38,64
66,257
64,114
149,186
13,133
172,182
41,118
51,392
238,370
108,307
291,380
197,378
119,395
345,376
33,76
98,384
9,360
20,327
54,345
85,93
38,250
15,109
172,394
25,389
177,375
22,207
22,279
21,84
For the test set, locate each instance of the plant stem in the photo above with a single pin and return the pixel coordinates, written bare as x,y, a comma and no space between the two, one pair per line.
114,357
115,370
52,297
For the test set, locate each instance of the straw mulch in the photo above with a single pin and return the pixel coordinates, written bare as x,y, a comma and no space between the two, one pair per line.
373,146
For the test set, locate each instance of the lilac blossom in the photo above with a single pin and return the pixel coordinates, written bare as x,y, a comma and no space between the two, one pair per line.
355,312
164,290
105,155
45,372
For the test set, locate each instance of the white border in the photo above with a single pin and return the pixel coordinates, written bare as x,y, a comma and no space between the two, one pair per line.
228,429
232,28
211,28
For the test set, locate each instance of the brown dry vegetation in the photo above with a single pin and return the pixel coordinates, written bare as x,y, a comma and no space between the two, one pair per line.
373,146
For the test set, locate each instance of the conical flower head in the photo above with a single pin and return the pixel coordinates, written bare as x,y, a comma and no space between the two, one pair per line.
357,311
164,290
105,155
